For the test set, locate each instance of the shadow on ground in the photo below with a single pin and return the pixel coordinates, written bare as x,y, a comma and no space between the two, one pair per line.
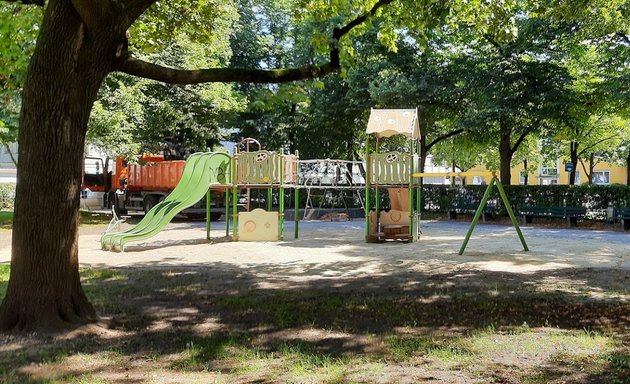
164,310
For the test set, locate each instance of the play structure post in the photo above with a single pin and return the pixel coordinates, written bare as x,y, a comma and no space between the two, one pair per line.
368,176
508,207
376,192
235,212
410,193
234,195
296,216
418,207
269,199
227,212
296,204
281,200
208,202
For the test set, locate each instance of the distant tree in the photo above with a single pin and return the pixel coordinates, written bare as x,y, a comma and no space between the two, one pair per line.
516,88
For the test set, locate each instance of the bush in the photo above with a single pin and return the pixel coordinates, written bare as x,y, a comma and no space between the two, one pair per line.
595,198
7,196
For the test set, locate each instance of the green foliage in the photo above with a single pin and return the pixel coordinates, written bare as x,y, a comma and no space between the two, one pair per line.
135,115
203,22
7,196
18,32
596,198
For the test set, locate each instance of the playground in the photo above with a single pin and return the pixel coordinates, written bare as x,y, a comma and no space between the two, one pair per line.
383,297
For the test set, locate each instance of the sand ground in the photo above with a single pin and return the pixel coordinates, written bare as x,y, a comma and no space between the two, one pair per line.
331,249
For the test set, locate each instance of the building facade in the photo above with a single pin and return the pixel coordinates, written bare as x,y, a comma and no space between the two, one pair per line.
603,174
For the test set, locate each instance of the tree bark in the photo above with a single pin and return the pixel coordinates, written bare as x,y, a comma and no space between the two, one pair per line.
64,75
525,172
424,152
573,155
505,157
8,149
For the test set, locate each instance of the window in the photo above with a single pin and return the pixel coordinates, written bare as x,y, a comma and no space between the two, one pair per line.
601,177
548,171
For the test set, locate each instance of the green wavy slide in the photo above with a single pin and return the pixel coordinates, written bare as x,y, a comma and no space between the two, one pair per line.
201,171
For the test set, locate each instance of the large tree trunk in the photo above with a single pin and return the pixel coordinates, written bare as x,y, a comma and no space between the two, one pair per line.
505,158
63,78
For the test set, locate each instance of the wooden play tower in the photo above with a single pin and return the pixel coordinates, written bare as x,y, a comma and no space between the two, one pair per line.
391,171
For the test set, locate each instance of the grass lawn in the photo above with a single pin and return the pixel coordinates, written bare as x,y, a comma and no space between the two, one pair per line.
6,219
179,325
87,218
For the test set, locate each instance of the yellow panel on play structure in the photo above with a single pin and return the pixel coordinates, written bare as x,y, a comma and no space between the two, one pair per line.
258,225
260,167
394,217
399,198
390,168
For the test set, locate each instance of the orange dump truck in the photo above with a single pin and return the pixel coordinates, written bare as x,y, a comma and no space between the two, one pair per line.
139,187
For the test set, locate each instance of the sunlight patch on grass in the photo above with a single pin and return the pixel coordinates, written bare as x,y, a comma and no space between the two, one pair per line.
5,268
535,342
6,218
84,379
108,289
200,354
305,361
450,349
89,275
93,218
183,289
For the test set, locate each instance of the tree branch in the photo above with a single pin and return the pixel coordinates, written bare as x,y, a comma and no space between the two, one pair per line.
583,151
134,9
136,67
494,43
587,173
444,137
340,32
625,38
520,139
212,75
94,13
8,149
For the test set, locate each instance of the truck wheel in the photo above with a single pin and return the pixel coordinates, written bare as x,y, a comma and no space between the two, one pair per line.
149,202
214,216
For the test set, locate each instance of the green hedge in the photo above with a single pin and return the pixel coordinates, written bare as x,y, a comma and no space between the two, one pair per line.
7,195
595,198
